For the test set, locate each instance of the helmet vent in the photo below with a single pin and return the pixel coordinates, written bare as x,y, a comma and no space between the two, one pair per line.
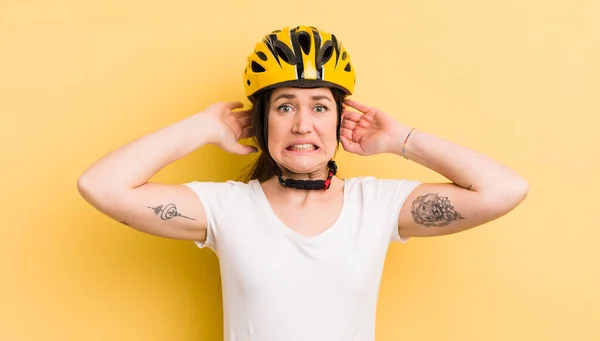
348,68
325,53
284,52
262,56
257,67
344,55
304,41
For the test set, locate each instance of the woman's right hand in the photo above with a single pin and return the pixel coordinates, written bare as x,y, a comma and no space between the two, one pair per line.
230,126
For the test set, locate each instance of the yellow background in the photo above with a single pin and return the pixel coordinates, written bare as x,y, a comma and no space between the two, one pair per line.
517,80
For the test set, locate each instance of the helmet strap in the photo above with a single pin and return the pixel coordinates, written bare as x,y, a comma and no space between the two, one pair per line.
311,184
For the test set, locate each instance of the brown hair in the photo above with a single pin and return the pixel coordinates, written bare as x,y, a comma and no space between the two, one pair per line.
264,167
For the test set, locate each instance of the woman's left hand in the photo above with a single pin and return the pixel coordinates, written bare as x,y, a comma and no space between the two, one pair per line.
369,132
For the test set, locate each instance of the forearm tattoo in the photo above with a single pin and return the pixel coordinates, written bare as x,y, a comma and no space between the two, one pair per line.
168,212
433,210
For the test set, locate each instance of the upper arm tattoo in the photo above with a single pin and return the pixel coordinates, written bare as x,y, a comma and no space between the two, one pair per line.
433,210
168,212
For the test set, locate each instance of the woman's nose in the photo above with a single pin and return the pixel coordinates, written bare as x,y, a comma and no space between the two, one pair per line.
302,122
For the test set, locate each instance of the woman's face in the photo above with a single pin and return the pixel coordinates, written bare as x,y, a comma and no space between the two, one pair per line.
302,129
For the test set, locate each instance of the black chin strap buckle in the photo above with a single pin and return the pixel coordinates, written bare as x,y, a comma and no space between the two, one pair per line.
332,167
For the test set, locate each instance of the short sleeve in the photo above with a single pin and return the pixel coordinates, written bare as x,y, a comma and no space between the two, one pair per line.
394,192
216,198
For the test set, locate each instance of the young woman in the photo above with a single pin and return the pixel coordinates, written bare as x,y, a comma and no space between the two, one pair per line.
301,250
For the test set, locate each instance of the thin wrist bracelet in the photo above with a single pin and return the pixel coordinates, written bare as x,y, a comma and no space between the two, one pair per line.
407,136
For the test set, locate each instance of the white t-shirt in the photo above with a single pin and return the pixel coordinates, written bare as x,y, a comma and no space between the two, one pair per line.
279,285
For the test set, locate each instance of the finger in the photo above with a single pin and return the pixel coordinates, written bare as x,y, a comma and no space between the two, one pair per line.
245,121
350,146
246,133
349,124
359,106
352,116
347,133
235,105
242,113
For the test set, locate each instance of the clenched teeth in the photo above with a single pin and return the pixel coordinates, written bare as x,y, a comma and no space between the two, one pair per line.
306,146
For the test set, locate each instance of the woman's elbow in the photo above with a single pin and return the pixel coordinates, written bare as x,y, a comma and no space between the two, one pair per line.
91,189
86,187
506,197
519,190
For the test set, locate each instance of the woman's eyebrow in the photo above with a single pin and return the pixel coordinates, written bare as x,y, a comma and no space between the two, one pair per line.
316,98
292,96
286,96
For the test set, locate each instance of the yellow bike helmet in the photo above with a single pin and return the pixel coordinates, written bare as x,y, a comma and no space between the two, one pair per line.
303,56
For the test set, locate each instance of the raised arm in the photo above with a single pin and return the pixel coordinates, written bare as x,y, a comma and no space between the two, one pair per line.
118,183
481,189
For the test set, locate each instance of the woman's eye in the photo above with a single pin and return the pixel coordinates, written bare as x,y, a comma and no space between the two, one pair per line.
320,108
285,108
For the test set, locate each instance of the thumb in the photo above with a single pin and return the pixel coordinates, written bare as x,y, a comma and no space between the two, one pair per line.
241,149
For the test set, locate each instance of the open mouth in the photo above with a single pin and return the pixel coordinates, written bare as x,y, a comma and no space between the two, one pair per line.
306,147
